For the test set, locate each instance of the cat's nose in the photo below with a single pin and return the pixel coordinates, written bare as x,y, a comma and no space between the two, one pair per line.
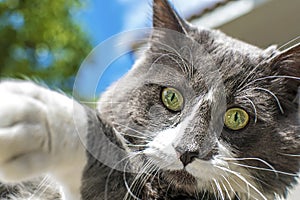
188,156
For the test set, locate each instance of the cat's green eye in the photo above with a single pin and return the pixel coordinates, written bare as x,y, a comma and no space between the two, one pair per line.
172,99
236,118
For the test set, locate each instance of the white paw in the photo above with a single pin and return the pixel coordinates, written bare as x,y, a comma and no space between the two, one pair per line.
40,133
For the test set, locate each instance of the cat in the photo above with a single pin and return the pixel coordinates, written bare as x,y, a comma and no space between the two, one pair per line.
199,116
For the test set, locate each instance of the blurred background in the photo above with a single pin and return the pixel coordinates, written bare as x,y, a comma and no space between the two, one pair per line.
48,40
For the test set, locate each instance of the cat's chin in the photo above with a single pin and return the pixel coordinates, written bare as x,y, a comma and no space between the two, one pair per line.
180,180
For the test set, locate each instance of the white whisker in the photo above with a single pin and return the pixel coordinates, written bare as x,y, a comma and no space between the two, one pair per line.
219,189
127,187
257,159
292,155
176,54
243,179
247,191
41,188
269,77
115,167
131,129
149,171
265,169
231,188
225,188
271,93
253,105
191,60
288,43
214,191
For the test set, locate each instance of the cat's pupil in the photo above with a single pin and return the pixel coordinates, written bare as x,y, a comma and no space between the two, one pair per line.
236,116
173,96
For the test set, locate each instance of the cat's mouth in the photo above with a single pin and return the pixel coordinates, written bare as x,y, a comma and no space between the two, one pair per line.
180,180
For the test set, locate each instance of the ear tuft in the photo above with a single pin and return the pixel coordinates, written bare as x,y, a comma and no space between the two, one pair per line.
164,16
288,62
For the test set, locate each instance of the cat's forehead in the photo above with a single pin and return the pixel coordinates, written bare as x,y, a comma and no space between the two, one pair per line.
200,45
199,55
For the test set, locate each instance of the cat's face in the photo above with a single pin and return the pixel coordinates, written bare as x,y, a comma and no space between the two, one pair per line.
209,113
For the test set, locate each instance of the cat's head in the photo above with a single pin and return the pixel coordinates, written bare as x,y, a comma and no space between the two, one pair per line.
209,113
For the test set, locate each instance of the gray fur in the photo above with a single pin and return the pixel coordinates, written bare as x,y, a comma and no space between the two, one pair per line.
271,134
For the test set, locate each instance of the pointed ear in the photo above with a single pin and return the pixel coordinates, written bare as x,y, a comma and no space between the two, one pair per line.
165,17
286,64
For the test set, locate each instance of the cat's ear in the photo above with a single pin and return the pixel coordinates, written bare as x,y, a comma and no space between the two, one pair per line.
288,62
287,65
165,17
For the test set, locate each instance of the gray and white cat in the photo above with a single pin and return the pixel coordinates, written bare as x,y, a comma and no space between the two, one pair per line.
199,116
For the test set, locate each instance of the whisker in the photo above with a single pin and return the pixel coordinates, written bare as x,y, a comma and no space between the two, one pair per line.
257,159
150,169
136,131
269,77
176,54
243,179
170,56
214,191
271,93
288,43
191,59
292,155
135,136
137,145
128,188
158,178
219,189
40,188
225,188
254,107
243,189
265,169
115,167
247,77
231,188
168,188
196,191
142,176
203,195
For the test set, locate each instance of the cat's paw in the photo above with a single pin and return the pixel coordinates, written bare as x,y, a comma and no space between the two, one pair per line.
39,133
24,134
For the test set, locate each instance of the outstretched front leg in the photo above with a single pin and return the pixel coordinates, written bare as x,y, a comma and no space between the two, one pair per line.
41,132
44,132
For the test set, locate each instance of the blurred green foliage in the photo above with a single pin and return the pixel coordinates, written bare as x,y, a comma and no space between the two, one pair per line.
40,40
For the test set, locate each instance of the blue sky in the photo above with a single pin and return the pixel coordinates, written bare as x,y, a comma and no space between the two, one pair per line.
104,19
